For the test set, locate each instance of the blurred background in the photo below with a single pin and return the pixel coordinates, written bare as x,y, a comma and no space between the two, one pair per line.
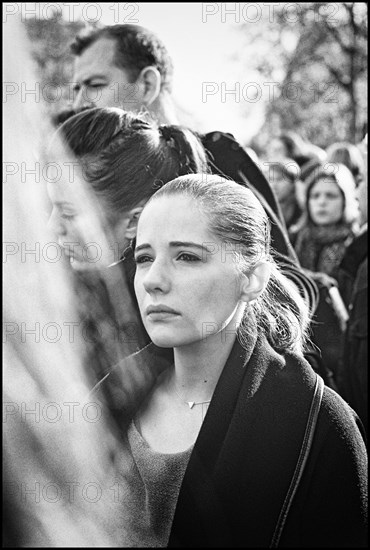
248,69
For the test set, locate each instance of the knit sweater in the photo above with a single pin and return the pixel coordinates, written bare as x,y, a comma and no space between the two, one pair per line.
150,483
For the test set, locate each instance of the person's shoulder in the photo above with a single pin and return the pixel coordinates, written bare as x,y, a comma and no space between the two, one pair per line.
230,155
338,418
227,153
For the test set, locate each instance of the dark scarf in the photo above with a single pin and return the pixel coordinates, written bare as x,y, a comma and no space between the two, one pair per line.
321,248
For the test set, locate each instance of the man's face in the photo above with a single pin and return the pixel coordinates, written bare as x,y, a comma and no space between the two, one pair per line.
99,83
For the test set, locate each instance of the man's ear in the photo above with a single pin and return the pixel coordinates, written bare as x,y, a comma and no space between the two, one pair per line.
255,283
150,80
132,219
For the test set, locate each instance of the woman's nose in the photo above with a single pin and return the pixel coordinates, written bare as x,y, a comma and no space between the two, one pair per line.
55,224
157,278
321,199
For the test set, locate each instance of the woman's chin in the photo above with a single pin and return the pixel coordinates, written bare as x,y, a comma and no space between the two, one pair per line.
82,265
171,340
163,339
163,342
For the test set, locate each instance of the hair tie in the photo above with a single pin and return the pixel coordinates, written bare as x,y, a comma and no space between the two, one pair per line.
166,133
180,146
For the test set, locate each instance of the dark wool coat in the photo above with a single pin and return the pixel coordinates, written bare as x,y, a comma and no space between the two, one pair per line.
353,285
247,449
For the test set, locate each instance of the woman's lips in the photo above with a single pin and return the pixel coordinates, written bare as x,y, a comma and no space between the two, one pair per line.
160,312
161,315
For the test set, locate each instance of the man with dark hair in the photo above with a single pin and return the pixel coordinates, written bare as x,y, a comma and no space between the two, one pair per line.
123,66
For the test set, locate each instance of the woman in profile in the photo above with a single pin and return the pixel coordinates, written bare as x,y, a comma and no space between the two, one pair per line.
237,443
119,160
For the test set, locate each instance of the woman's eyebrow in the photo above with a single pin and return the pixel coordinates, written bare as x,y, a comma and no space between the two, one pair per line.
190,244
177,244
142,247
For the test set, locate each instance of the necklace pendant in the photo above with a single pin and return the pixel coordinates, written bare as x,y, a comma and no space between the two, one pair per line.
191,404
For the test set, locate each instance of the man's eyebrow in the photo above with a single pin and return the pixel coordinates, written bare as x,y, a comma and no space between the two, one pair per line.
177,244
88,80
93,77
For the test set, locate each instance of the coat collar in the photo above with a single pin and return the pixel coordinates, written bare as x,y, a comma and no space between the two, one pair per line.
246,451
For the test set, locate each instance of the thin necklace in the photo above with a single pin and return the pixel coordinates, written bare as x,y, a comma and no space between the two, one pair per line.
190,404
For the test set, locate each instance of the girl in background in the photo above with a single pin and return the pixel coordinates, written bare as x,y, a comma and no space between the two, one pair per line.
330,221
320,239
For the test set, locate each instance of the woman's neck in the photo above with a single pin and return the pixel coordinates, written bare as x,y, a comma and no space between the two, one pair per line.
198,366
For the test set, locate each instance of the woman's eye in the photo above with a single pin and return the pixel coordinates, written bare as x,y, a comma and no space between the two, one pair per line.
67,216
142,259
184,256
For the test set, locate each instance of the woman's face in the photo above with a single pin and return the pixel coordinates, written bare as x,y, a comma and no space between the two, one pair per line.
325,202
187,281
76,221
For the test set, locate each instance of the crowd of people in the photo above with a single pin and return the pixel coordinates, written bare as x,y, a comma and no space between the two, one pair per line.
323,197
238,422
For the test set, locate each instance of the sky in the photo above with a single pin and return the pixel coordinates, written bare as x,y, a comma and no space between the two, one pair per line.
204,42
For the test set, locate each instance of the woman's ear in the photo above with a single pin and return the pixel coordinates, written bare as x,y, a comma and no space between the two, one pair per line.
132,220
255,283
150,80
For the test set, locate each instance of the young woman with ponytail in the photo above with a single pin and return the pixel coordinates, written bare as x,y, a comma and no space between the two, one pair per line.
236,442
226,436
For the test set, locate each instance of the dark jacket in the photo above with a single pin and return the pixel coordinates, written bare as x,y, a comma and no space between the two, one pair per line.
354,380
353,257
353,286
246,453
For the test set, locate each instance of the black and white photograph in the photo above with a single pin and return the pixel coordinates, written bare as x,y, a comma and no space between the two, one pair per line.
185,275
